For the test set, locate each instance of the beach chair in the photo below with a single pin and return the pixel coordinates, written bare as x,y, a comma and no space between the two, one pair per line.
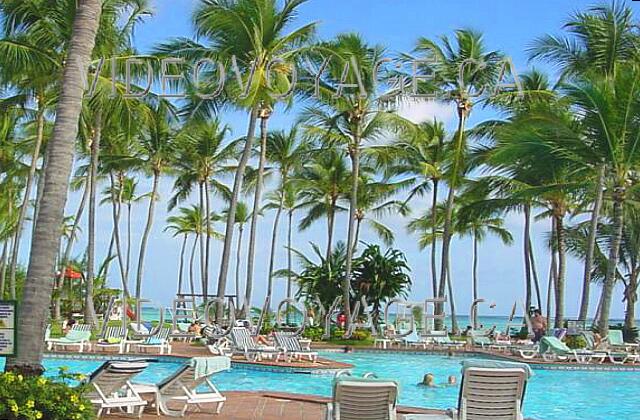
114,338
190,385
363,398
111,387
79,336
242,343
159,341
615,340
443,340
552,349
291,348
490,389
414,340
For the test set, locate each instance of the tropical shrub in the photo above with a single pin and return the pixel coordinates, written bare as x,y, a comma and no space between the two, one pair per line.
35,398
313,333
575,342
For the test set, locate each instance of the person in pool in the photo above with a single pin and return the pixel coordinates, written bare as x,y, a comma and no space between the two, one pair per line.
428,380
451,381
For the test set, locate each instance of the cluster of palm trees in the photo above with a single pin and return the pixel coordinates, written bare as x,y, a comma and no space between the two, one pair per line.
561,150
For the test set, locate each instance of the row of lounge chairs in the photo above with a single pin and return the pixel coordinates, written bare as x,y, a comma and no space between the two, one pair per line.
111,387
79,338
490,390
285,346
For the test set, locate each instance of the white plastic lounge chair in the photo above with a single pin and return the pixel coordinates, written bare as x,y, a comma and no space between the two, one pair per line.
363,398
616,341
112,387
243,344
159,341
291,348
114,338
414,340
182,385
491,390
79,336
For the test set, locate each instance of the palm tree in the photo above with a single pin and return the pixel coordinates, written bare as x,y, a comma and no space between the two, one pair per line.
461,73
252,34
243,216
600,40
421,158
158,149
44,248
202,153
322,183
350,119
286,153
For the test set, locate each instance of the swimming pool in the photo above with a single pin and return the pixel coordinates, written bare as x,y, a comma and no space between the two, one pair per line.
551,395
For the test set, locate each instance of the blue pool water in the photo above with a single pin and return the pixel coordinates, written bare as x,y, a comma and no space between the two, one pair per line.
550,395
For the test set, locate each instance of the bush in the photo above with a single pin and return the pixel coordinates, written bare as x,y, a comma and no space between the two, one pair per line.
575,342
361,335
37,398
313,333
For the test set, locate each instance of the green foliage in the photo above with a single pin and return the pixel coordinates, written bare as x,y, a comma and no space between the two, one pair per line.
575,342
313,333
40,398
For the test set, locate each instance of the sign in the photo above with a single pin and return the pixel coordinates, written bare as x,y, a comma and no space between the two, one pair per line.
7,327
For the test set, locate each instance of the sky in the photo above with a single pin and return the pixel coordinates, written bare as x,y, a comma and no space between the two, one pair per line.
396,24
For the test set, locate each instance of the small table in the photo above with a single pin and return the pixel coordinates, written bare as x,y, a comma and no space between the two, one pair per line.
384,342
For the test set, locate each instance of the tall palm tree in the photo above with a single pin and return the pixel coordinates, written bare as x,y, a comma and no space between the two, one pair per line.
202,153
599,41
44,248
243,216
322,182
462,72
158,148
286,153
251,34
350,119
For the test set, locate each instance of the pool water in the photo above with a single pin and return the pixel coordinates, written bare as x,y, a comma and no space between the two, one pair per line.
550,395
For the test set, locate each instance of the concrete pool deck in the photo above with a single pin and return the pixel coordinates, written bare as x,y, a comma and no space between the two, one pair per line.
267,406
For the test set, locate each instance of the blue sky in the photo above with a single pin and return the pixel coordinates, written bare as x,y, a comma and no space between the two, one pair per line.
508,25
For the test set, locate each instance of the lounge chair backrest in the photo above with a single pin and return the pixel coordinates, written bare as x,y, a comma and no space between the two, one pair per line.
287,342
492,393
187,377
112,376
360,399
590,339
242,338
615,338
78,336
160,337
115,332
81,327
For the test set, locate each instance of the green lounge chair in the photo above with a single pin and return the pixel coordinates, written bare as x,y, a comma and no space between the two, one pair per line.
551,348
615,340
79,337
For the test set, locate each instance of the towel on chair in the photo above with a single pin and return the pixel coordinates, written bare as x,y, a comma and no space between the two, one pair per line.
206,366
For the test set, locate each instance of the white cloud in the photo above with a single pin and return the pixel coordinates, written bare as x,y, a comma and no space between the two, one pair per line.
418,110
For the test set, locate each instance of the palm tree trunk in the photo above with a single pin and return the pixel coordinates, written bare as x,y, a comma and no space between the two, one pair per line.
89,311
3,267
116,204
274,234
357,235
527,254
434,242
631,296
76,223
128,259
452,303
147,232
44,247
553,271
612,263
238,255
289,260
559,317
231,214
331,219
22,215
591,245
475,266
254,217
207,246
192,259
354,153
182,251
203,264
534,272
446,231
39,188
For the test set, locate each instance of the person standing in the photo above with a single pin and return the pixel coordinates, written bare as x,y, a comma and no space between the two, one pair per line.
539,325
